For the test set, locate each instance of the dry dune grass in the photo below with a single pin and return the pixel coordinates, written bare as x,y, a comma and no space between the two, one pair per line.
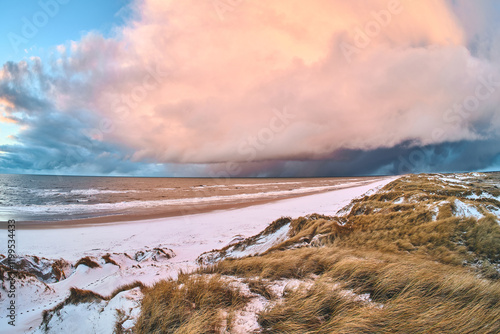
260,287
107,259
88,262
192,304
425,270
130,286
305,311
415,295
323,310
411,227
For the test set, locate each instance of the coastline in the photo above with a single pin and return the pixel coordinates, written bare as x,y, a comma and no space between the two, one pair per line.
74,241
187,236
176,210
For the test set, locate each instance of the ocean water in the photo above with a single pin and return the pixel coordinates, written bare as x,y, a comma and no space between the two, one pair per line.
54,198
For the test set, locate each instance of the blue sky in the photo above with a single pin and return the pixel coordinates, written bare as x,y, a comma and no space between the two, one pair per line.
238,88
67,21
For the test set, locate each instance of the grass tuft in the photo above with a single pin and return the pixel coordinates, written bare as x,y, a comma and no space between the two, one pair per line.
107,259
192,304
126,287
88,262
261,287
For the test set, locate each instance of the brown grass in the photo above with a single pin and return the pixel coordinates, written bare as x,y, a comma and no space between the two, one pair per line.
107,259
260,287
297,263
126,287
88,262
57,269
323,310
192,304
306,311
417,296
120,319
376,223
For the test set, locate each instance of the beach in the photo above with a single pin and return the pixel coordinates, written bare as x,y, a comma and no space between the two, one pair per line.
203,199
38,200
187,236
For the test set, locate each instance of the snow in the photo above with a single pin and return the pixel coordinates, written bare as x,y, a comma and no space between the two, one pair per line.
449,179
483,195
374,190
456,180
399,200
245,320
262,244
188,237
466,210
434,209
96,317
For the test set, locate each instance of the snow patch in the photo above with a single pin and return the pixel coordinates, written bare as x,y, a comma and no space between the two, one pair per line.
434,209
466,210
399,200
97,317
483,195
449,179
262,243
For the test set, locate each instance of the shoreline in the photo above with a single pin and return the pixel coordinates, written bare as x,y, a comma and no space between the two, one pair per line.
172,211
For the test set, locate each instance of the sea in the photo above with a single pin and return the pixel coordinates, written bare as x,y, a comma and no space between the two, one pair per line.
41,198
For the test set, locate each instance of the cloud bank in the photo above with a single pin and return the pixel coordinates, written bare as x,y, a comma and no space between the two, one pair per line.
234,88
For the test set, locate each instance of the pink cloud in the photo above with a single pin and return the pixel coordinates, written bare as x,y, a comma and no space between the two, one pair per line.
182,84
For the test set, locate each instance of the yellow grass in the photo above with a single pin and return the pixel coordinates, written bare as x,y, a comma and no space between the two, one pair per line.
192,304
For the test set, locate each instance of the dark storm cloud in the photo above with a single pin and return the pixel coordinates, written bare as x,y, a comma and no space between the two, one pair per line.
401,159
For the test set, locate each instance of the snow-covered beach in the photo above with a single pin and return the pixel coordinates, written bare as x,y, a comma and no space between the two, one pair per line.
186,236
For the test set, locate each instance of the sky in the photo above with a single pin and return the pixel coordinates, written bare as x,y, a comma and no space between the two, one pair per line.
229,88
